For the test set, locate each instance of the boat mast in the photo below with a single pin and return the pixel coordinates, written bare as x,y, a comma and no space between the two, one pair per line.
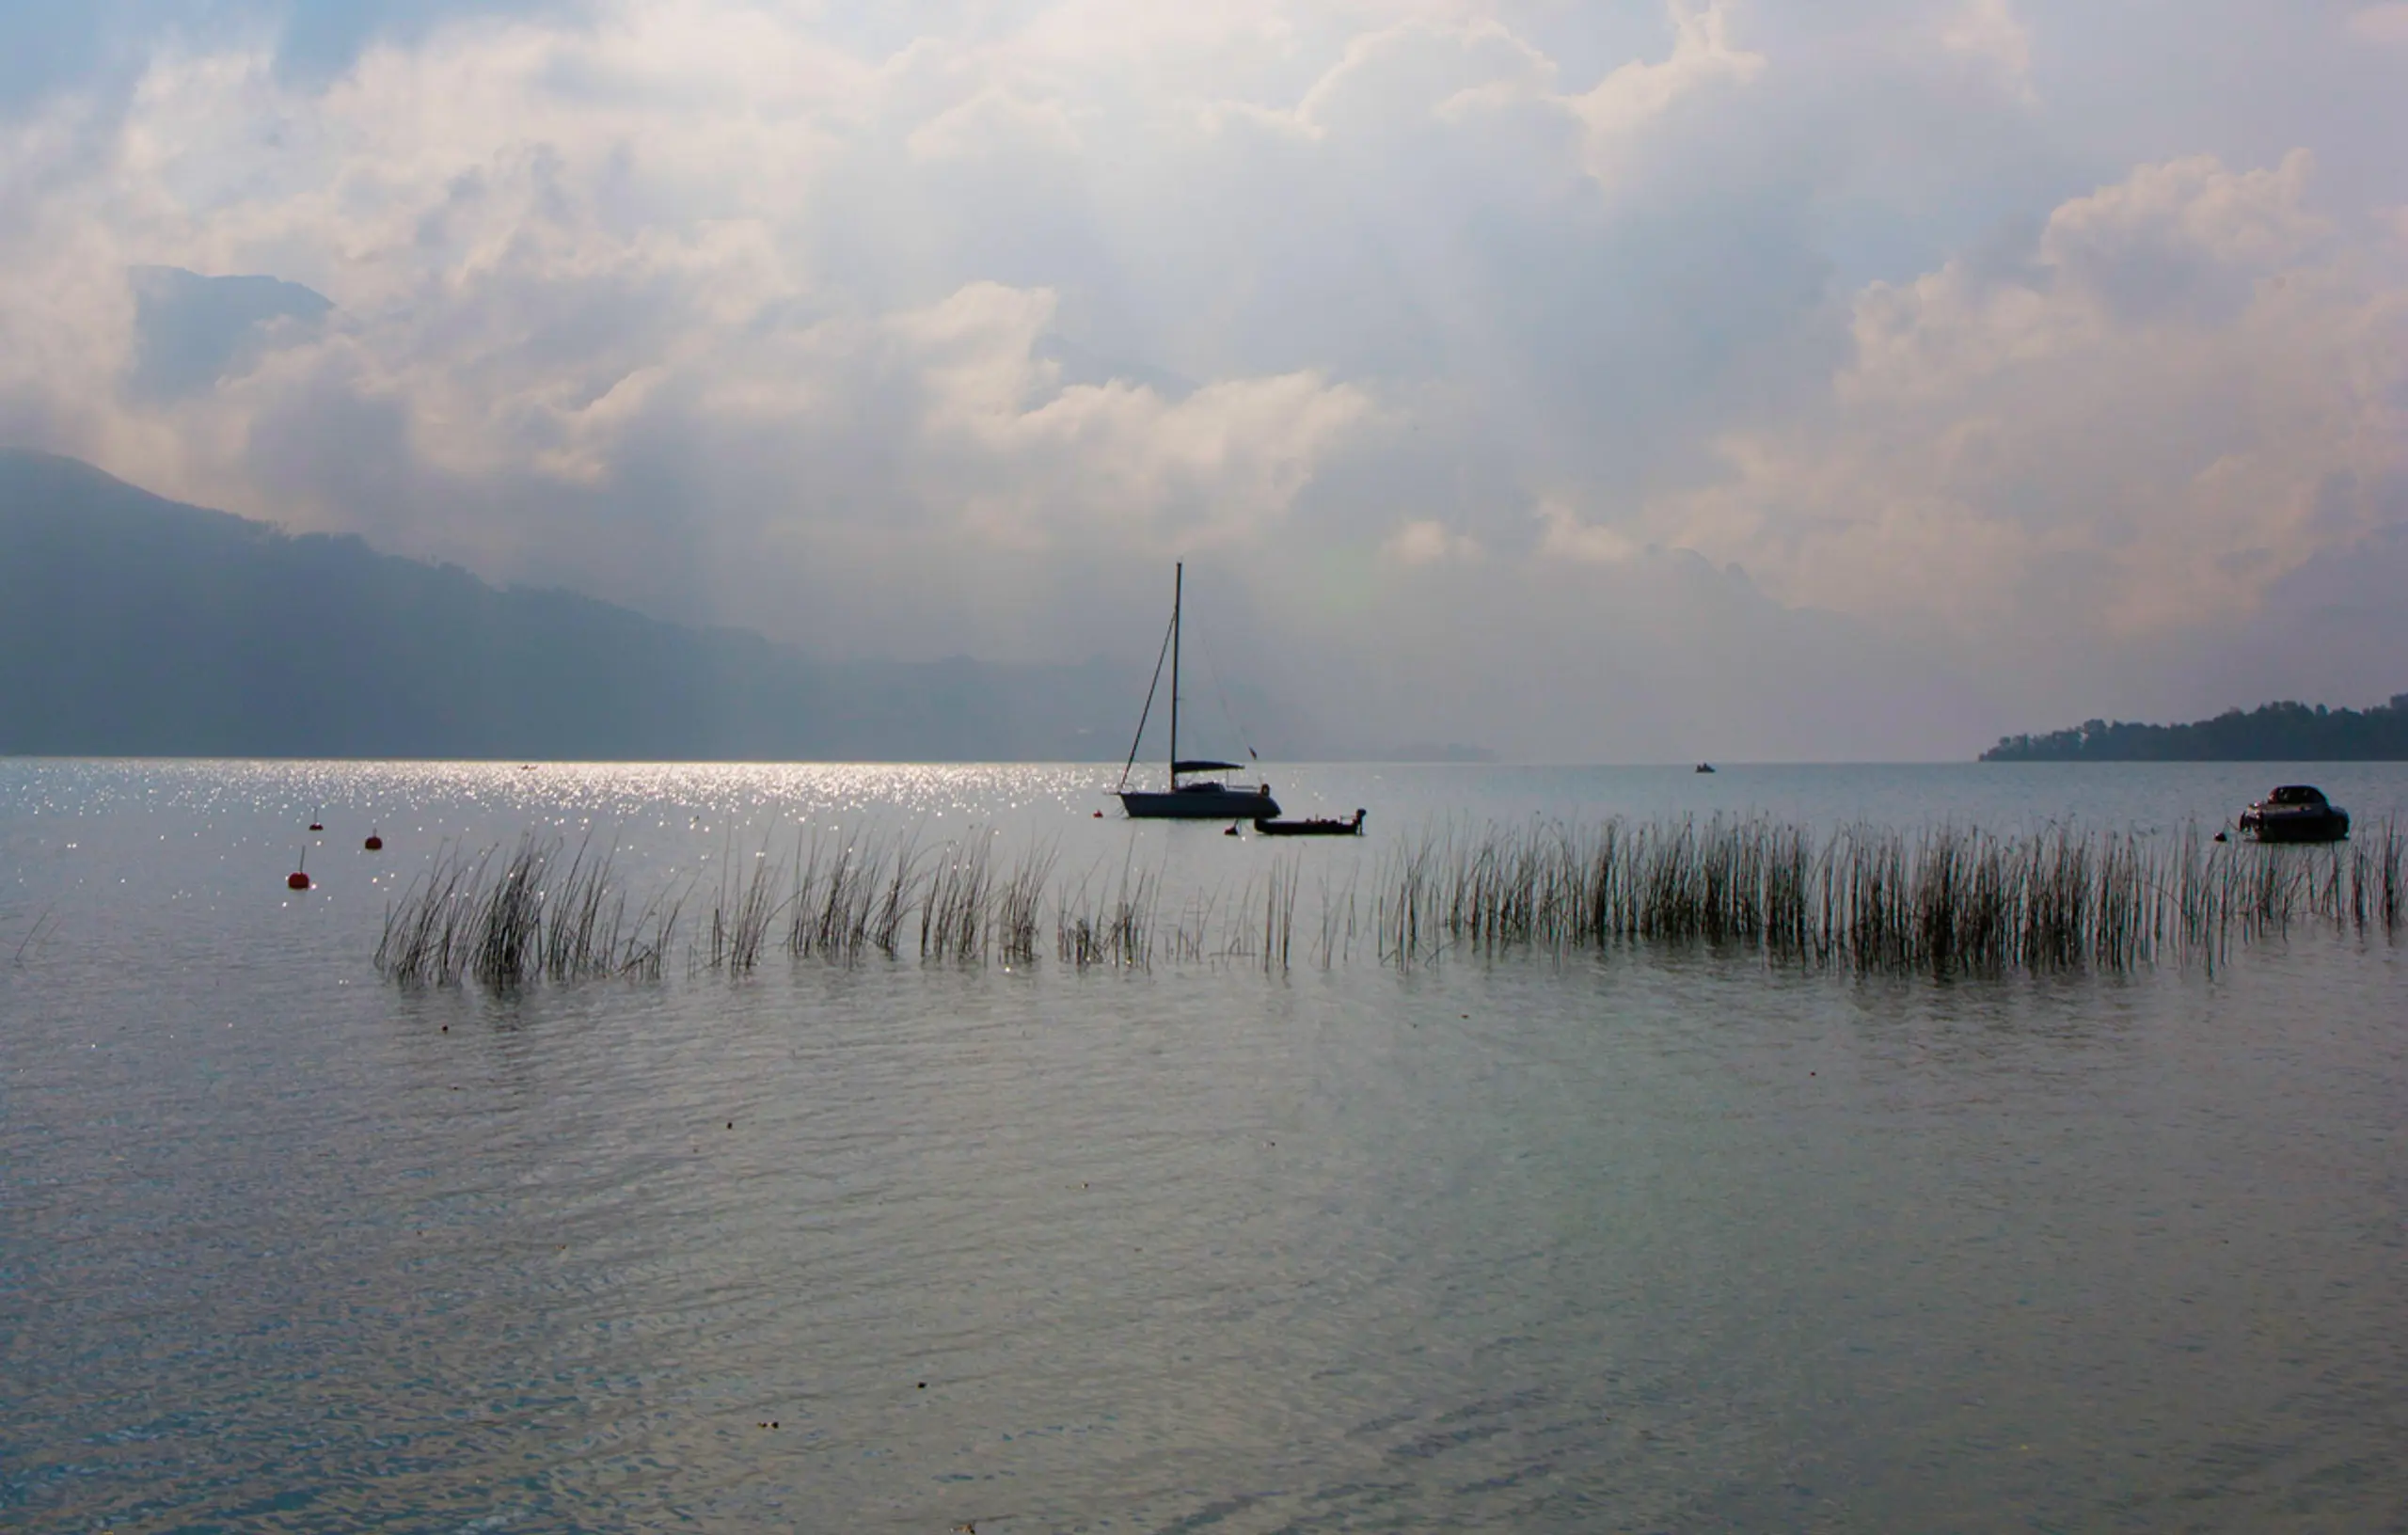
1178,584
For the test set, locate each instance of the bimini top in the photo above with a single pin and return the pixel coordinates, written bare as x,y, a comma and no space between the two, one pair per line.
1200,767
2296,794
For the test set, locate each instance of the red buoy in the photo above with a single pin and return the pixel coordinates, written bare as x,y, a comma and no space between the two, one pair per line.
374,843
299,879
317,826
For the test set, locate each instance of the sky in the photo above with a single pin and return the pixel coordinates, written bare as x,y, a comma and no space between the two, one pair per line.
1621,381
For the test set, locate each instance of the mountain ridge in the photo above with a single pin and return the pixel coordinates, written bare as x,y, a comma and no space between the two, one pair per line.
133,625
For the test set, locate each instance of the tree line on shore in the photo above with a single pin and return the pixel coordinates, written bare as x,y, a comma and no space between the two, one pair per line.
2285,732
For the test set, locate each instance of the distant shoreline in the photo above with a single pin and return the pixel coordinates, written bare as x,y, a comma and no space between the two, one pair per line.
2284,731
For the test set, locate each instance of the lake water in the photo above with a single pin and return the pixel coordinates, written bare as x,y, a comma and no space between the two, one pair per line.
1634,1239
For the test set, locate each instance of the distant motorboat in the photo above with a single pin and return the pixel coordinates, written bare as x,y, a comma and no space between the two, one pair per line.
1706,767
1325,826
2296,813
1208,799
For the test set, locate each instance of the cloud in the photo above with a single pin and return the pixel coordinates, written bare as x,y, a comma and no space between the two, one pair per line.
191,330
1622,104
1990,31
1427,542
1700,346
2194,392
996,123
104,49
1566,537
2185,236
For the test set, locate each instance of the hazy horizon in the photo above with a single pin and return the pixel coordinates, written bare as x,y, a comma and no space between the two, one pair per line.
1858,381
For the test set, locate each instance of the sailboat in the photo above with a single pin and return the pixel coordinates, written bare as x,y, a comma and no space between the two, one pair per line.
1204,799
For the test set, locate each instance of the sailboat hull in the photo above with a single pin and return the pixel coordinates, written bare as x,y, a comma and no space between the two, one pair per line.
1199,802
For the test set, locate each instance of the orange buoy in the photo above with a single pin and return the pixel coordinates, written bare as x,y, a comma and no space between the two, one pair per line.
374,843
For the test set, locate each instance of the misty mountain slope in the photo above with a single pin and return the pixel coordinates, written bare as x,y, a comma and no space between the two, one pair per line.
134,626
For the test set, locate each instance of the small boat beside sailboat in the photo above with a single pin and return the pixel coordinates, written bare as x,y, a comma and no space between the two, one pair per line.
1320,825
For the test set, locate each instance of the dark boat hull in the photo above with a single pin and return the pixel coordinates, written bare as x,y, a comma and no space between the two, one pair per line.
1199,802
1317,828
2277,825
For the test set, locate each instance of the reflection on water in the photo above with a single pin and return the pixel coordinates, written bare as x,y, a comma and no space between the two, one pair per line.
1644,1240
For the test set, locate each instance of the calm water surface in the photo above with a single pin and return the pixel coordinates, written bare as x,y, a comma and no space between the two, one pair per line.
1634,1241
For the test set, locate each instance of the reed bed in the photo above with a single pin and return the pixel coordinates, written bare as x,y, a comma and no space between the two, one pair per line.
507,918
1114,927
504,920
1944,899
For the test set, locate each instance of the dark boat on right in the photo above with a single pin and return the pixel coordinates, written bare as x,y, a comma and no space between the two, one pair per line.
2296,813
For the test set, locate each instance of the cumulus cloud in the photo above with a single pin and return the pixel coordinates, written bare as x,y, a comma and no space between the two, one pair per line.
1625,101
1677,344
1566,537
1990,31
2192,390
555,260
1427,542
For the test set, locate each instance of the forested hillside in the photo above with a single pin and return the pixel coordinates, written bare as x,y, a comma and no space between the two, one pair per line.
2271,733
